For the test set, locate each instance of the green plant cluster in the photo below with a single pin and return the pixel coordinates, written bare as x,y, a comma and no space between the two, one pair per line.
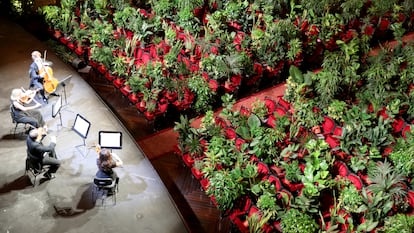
363,90
245,34
358,207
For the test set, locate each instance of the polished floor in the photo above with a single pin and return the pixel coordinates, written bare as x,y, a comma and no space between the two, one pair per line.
65,204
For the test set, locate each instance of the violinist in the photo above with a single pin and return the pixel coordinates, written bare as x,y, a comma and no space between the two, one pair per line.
22,111
36,77
106,161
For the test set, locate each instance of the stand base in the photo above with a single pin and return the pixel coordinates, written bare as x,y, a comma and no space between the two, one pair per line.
84,151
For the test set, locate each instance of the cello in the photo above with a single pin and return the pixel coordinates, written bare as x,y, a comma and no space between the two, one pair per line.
50,83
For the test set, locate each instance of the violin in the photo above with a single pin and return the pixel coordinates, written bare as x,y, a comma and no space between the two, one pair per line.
27,96
50,83
98,149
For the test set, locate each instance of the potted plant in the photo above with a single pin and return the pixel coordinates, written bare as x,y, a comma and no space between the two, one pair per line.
51,15
401,155
204,95
225,187
398,223
295,221
81,36
350,198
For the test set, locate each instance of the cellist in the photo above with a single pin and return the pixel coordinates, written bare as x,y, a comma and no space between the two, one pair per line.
36,77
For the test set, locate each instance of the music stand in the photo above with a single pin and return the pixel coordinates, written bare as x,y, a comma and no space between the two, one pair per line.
63,83
81,127
110,139
56,107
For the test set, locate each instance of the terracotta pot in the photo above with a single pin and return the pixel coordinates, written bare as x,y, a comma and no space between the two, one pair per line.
141,106
162,106
102,69
57,34
79,50
316,129
149,115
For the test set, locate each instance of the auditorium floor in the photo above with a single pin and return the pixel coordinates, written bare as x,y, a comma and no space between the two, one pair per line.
64,204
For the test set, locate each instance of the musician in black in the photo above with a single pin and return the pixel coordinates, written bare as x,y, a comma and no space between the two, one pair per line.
24,113
45,155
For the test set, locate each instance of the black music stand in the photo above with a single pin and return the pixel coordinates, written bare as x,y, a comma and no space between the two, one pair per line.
56,107
81,127
110,139
63,83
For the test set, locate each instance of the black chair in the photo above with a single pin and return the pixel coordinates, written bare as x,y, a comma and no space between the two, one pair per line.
27,125
34,166
104,187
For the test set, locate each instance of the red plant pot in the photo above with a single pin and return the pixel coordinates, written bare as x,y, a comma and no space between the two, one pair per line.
162,106
118,82
149,115
141,106
70,45
125,90
133,98
196,173
109,76
57,34
63,40
102,69
79,50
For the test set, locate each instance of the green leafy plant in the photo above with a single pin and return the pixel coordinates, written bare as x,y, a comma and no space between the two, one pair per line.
336,110
103,55
51,14
294,221
399,223
401,156
204,94
247,131
316,175
256,221
292,171
389,183
184,130
350,199
225,187
267,201
259,108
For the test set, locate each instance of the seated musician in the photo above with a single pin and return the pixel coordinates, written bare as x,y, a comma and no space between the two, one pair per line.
106,161
36,77
24,113
46,155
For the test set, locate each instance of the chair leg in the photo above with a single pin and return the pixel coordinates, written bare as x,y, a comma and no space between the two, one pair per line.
34,175
114,192
34,182
15,129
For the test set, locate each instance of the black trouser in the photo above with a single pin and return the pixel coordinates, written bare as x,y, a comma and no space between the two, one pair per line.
51,160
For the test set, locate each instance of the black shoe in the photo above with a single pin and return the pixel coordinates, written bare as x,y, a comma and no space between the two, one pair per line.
54,94
49,176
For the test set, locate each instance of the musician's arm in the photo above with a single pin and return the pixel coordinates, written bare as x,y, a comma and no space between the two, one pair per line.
31,94
25,108
117,159
34,72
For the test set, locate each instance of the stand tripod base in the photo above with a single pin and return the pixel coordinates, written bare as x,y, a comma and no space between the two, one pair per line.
83,150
